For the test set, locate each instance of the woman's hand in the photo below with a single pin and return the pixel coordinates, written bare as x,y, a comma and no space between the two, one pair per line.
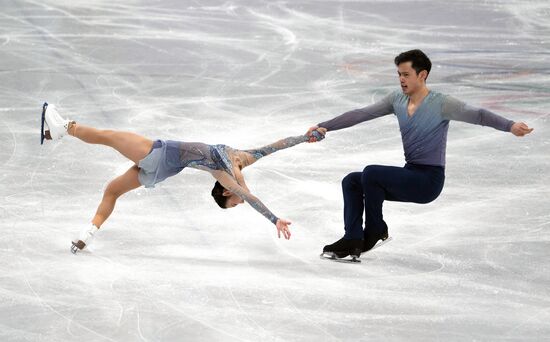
282,227
309,132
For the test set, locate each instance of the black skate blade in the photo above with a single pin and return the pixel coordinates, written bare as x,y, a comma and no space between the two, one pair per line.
333,257
42,135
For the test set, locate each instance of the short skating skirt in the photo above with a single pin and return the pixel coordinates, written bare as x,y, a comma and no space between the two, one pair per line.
162,162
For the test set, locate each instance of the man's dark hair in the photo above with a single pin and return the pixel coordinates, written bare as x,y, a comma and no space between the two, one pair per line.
418,58
217,193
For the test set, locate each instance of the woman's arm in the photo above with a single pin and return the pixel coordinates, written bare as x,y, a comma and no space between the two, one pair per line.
230,184
251,156
240,178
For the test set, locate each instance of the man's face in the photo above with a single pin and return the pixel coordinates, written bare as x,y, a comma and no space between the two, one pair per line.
408,78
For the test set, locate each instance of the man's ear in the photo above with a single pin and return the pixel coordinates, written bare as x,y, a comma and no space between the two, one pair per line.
423,75
226,193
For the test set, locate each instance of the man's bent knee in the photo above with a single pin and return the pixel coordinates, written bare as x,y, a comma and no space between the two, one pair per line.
371,173
351,180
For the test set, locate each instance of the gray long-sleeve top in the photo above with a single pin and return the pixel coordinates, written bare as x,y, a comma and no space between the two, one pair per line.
424,134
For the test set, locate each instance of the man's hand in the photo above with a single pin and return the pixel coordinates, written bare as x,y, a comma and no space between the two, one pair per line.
321,130
520,129
282,227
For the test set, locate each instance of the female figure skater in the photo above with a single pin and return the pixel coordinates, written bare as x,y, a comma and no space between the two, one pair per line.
157,160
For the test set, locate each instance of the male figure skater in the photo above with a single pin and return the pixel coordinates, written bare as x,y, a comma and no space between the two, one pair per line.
423,117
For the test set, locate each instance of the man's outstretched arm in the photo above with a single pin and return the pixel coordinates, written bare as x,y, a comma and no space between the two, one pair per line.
353,117
454,109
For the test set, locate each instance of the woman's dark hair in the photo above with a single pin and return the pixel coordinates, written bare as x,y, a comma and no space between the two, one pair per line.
217,193
418,58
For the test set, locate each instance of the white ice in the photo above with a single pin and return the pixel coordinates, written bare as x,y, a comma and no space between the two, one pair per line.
169,265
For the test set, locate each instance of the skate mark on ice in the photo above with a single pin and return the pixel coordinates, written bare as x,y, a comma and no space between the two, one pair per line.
246,315
7,40
525,321
290,39
300,314
238,303
63,12
407,265
289,301
49,307
303,316
203,323
314,268
139,325
38,167
14,139
490,263
244,312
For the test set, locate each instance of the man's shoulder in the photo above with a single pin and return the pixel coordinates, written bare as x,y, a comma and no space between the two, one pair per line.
394,96
437,94
446,100
436,98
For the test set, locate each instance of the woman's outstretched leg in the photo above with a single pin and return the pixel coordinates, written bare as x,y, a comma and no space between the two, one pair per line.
130,145
116,188
133,146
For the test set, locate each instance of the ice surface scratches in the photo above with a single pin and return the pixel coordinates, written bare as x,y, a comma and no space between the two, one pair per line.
171,266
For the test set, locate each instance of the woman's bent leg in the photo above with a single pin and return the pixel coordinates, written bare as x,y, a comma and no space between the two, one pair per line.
116,188
133,146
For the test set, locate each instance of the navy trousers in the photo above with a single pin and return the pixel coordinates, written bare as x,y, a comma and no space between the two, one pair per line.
366,191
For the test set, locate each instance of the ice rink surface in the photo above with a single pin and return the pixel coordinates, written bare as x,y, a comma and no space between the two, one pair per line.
171,266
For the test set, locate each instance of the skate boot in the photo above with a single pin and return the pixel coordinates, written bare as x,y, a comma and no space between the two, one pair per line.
372,238
343,248
85,238
56,126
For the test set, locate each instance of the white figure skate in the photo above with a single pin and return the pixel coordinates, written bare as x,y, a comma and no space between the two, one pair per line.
56,126
85,238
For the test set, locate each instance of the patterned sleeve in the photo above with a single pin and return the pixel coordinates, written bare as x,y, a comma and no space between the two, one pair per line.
229,183
454,109
255,154
353,117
